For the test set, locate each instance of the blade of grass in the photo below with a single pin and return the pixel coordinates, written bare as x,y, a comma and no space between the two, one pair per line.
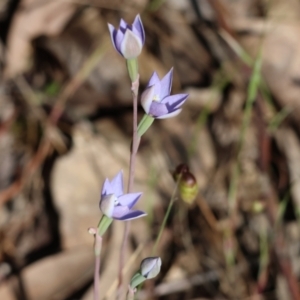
251,96
278,119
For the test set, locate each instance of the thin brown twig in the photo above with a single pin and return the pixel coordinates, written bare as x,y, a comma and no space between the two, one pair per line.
27,173
4,126
207,213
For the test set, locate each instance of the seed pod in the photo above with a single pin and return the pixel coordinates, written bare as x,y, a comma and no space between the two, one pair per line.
188,187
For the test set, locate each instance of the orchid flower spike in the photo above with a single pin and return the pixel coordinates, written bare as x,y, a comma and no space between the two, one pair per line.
156,99
128,40
117,205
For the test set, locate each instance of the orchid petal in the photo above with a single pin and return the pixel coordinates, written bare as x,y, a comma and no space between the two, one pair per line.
118,37
107,188
107,204
123,25
137,23
117,184
120,211
170,115
153,79
166,84
133,214
131,45
158,109
129,200
147,98
112,30
137,33
174,101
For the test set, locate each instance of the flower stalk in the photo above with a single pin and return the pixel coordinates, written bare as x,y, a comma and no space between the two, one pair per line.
104,224
134,76
132,67
97,250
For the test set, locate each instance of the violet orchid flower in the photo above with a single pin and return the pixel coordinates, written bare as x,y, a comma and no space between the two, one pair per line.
156,99
117,205
128,40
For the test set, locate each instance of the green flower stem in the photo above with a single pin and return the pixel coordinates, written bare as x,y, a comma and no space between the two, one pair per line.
104,224
136,280
132,67
163,225
144,124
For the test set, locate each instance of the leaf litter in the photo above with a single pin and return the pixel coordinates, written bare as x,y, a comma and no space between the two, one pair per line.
50,183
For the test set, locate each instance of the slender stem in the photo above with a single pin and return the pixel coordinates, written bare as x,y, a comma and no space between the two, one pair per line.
96,277
135,138
130,293
134,148
97,248
163,225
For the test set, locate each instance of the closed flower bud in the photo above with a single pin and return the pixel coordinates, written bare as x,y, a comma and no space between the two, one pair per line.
128,39
150,267
188,187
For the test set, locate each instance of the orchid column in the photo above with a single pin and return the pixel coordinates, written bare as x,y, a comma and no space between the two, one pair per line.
128,40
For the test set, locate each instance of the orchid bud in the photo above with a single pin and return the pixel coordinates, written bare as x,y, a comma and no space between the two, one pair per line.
150,267
128,39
